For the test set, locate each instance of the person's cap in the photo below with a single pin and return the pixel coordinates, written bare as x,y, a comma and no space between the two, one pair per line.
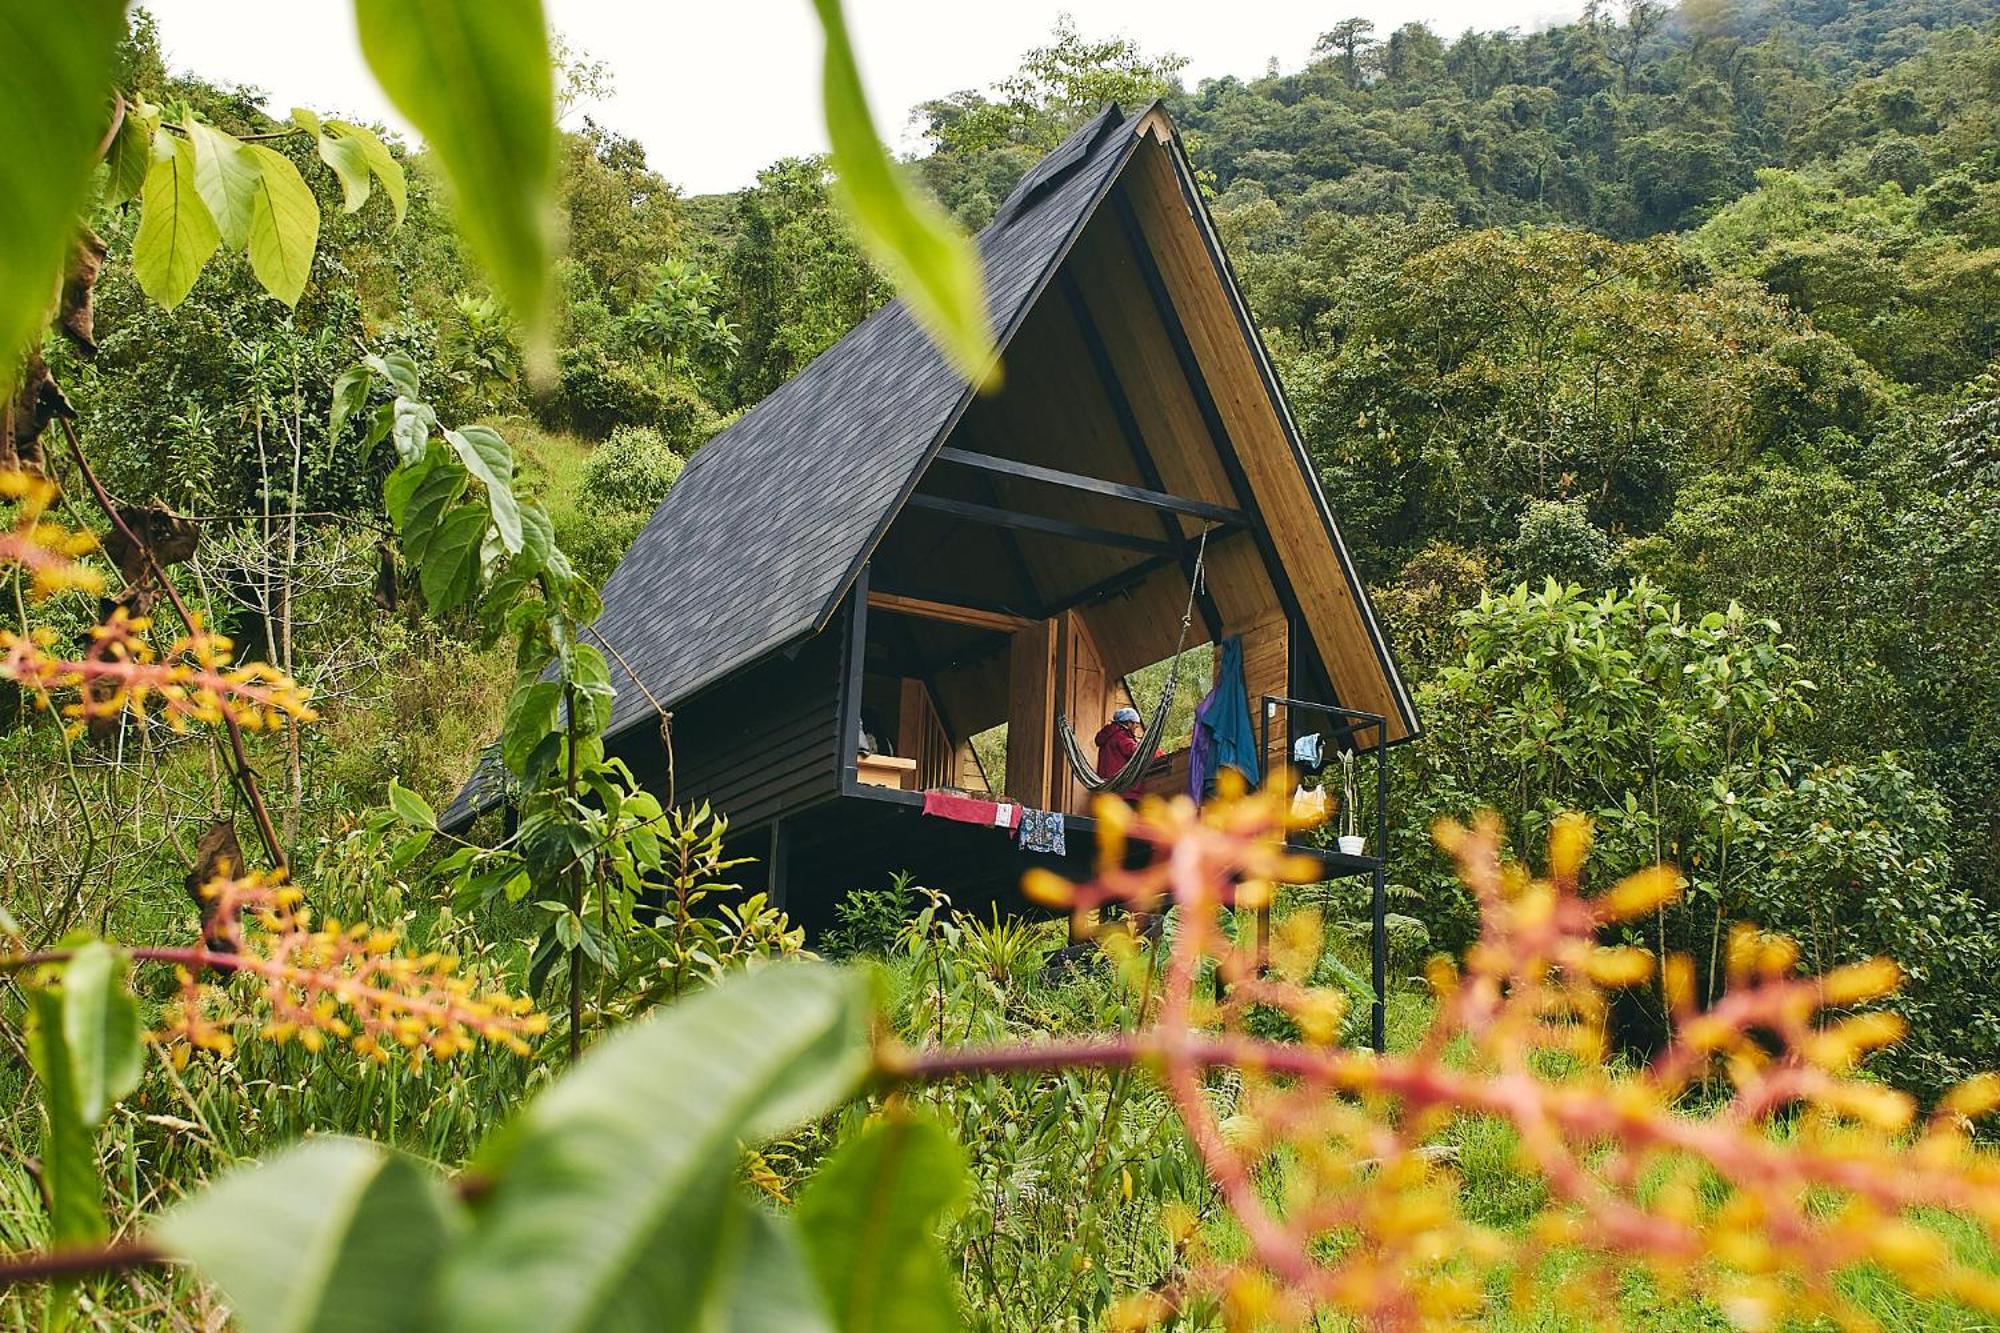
1126,715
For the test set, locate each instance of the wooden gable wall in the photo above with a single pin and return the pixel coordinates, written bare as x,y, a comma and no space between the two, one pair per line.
1328,592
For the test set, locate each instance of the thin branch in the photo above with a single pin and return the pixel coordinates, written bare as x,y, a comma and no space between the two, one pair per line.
118,1257
246,777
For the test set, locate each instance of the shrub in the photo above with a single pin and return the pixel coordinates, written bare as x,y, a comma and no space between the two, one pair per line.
871,920
595,394
1557,540
631,471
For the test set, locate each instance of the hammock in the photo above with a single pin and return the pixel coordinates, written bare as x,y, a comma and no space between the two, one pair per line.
1126,777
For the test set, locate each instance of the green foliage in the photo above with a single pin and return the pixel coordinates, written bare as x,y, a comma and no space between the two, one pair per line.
53,103
794,279
678,322
590,1216
595,393
100,1031
1460,374
585,1215
475,79
177,233
985,142
1692,741
1905,277
1557,540
872,921
83,1044
334,1232
916,243
867,1221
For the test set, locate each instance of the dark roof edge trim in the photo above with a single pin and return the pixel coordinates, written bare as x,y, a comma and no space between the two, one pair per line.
1003,342
1219,258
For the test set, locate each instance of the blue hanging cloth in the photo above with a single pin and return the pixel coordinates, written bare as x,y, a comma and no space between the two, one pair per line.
1224,733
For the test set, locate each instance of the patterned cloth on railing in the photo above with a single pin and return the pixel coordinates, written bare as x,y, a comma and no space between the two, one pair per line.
1042,831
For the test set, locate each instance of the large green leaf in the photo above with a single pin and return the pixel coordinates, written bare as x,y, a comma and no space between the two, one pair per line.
407,487
769,1288
868,1218
54,108
225,175
607,1200
441,483
488,457
532,712
69,1149
349,161
332,1234
931,261
100,1021
131,153
413,422
176,234
380,161
590,677
411,808
284,225
449,572
475,78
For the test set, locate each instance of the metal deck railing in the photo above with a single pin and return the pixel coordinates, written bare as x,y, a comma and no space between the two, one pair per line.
1359,722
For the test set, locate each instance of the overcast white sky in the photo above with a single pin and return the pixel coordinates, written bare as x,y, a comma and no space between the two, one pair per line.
716,89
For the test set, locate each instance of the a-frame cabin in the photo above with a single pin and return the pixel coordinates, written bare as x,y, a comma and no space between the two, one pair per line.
876,546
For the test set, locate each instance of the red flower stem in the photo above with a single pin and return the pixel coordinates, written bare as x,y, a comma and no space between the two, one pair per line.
45,1266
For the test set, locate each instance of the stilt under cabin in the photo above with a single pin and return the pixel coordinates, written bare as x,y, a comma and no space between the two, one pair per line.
881,588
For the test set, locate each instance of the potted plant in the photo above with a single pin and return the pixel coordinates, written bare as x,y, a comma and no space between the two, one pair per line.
1351,841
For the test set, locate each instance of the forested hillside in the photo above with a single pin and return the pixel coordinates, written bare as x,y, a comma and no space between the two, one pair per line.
1650,363
1708,297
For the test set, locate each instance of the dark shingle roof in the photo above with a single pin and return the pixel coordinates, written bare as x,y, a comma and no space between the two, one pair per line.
766,528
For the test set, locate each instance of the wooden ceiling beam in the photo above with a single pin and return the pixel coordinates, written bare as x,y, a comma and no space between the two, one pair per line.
1053,527
948,612
1127,579
1076,481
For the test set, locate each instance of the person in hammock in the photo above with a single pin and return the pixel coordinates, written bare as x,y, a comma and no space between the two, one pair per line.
1118,741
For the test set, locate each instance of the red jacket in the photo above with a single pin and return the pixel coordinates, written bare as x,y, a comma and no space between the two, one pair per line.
1115,748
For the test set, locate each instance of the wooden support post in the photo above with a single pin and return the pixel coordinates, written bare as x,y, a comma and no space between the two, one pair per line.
775,875
1031,676
850,682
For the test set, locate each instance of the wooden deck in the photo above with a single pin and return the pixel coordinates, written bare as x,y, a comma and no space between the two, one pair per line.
843,844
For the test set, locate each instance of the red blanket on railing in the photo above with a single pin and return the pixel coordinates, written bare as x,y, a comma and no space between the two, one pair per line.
972,809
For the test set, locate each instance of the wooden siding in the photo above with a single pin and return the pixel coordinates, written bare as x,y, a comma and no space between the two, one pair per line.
1267,658
761,743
